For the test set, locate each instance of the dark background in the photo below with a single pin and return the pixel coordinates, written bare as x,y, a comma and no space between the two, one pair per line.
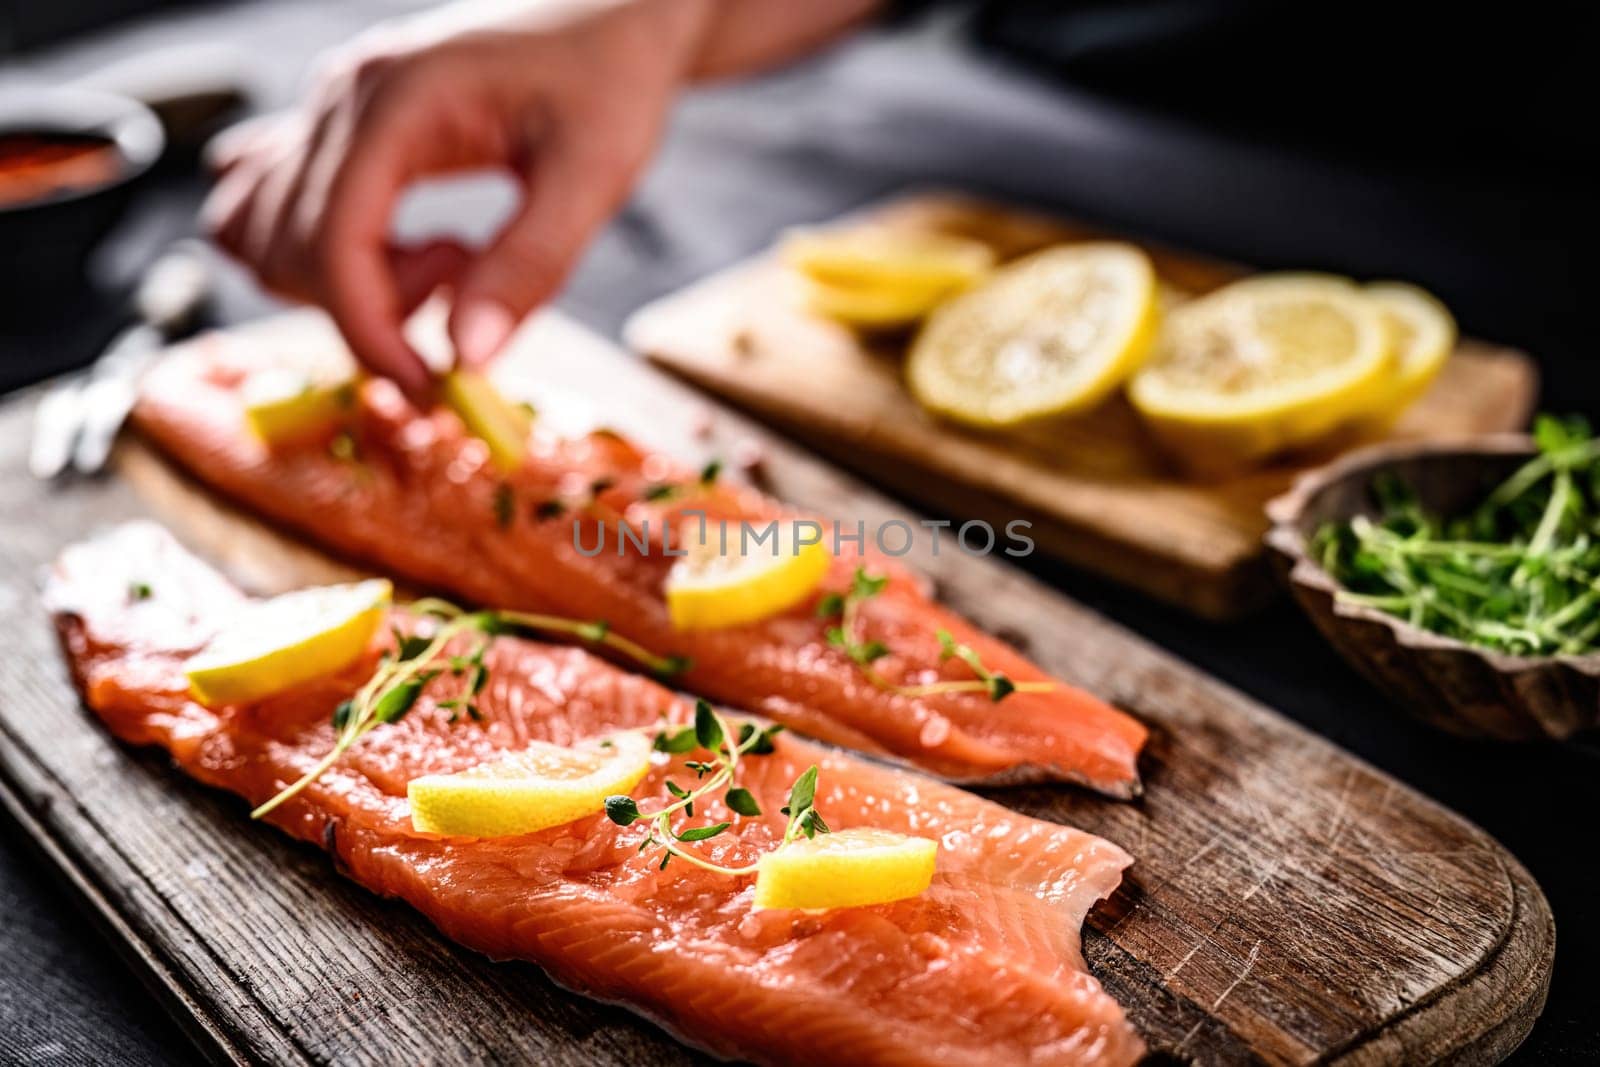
1426,142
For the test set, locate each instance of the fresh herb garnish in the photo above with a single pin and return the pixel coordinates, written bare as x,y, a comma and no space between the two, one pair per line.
1518,573
418,658
864,653
659,492
710,733
139,591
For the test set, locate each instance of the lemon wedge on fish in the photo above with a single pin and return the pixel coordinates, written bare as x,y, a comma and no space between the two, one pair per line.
533,789
1423,334
1263,365
1051,334
283,406
489,416
268,646
709,589
881,258
845,869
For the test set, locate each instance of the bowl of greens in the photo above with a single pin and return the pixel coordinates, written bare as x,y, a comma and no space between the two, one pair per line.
1463,579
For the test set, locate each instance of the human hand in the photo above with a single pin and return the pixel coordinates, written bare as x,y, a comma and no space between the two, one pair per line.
567,96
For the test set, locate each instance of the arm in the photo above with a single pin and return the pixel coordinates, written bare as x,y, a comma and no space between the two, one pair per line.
567,95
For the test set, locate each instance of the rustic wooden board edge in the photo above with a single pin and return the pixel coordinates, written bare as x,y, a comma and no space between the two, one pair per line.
44,810
1243,584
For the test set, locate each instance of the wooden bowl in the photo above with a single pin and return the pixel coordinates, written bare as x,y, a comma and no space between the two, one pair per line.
1466,690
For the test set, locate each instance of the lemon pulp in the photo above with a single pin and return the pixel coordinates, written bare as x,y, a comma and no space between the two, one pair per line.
269,646
1262,365
538,787
708,589
846,869
1051,334
489,416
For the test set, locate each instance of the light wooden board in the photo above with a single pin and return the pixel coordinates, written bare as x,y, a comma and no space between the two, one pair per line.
1288,903
1096,490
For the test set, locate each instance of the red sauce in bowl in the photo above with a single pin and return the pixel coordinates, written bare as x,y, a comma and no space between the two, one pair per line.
35,166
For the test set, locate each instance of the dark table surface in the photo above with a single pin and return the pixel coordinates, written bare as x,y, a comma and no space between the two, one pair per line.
916,106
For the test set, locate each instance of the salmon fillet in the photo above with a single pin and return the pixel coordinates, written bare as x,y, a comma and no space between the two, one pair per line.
420,499
983,968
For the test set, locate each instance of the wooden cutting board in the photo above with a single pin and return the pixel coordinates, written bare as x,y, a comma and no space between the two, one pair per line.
1288,903
1095,489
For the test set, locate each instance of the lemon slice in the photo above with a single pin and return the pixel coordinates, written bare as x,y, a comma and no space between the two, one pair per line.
846,869
870,308
541,786
884,260
1051,334
1423,335
499,423
269,646
283,406
707,589
1262,365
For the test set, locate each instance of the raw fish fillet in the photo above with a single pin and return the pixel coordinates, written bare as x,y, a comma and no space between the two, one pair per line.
984,968
421,500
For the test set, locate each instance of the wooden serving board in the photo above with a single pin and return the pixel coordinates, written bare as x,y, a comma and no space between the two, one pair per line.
1095,488
1288,903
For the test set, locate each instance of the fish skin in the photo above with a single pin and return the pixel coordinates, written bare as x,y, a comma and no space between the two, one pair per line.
424,503
984,968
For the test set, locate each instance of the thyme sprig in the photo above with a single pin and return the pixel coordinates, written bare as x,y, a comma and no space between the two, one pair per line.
390,693
711,733
418,658
844,636
1518,573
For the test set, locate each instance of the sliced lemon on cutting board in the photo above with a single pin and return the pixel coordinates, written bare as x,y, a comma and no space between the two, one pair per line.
1263,365
1423,334
846,869
708,589
870,309
876,278
488,415
283,406
887,260
269,646
538,787
1048,335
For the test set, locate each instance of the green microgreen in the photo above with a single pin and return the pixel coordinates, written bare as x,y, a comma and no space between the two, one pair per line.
1519,572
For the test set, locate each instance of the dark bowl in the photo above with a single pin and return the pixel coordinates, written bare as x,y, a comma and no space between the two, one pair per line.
44,242
1461,688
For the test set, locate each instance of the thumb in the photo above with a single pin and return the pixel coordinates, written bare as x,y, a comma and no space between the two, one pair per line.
529,259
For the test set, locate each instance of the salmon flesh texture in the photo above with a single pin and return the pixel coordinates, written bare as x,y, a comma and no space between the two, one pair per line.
983,968
419,498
